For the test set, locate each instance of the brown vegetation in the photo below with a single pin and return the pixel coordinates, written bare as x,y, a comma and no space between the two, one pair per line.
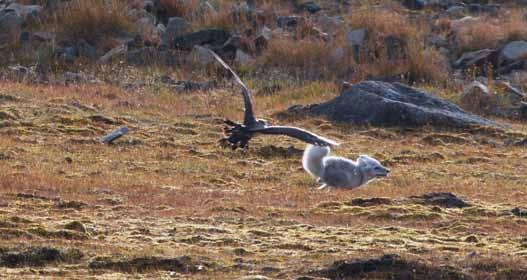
92,20
489,32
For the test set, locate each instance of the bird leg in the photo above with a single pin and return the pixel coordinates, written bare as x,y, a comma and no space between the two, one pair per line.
236,135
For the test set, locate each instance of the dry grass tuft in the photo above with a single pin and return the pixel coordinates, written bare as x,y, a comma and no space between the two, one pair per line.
92,20
303,58
306,56
409,57
488,32
179,8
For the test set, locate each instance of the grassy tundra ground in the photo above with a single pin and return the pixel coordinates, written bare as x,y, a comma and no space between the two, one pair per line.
71,207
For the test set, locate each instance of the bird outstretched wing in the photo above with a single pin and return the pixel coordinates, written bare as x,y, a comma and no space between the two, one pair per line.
297,133
249,118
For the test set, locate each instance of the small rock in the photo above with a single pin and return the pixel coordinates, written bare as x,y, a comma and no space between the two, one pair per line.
330,24
207,8
463,22
43,36
357,37
67,54
513,95
288,22
476,97
262,40
114,135
240,252
202,55
481,59
519,212
447,200
254,277
160,30
101,119
85,49
111,54
150,7
242,58
188,86
309,6
76,226
471,239
415,4
146,25
214,37
71,77
395,46
456,11
149,56
71,204
366,202
176,27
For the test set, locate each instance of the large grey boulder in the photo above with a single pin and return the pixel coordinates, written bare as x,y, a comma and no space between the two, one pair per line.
176,26
513,52
10,27
385,104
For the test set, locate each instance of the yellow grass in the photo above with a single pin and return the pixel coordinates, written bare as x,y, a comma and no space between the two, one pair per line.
167,189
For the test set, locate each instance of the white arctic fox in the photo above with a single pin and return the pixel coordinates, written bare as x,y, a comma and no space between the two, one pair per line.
340,172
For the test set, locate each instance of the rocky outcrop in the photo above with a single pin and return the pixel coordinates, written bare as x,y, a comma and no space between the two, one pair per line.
213,37
10,27
513,52
385,104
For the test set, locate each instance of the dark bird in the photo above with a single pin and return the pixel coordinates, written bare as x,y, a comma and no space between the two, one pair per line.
238,135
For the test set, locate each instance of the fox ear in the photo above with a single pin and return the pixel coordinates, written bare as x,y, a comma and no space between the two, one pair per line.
363,160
